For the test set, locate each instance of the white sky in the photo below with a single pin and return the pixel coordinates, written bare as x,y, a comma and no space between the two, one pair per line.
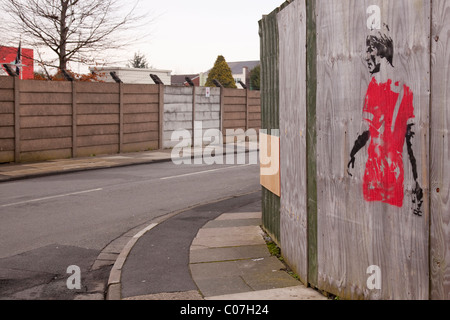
187,36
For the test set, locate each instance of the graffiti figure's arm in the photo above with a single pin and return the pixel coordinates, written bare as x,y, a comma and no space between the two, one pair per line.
359,144
417,191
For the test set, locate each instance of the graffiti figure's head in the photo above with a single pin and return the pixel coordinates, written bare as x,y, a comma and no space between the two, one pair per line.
380,49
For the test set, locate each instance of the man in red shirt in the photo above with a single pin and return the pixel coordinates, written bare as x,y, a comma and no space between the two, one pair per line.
388,113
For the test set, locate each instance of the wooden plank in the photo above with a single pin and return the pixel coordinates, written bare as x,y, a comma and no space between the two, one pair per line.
98,98
92,130
234,124
46,86
45,155
141,108
87,109
97,88
7,144
141,98
140,146
45,110
6,156
139,118
6,95
311,141
236,100
269,45
234,108
45,144
6,82
270,163
140,89
234,116
355,233
440,154
45,133
7,107
293,212
99,150
141,137
141,127
97,140
99,119
231,93
7,119
6,132
34,98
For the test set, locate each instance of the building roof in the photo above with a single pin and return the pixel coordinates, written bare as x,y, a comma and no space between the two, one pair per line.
236,67
180,79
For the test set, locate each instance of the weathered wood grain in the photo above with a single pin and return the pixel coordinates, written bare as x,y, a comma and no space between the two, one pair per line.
270,120
354,234
293,210
440,153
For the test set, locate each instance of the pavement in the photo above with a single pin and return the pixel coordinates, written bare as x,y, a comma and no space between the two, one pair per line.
215,251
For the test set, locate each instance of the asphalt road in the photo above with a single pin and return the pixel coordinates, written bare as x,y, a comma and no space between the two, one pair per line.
50,223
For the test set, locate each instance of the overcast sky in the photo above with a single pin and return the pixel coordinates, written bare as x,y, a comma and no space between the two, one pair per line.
187,36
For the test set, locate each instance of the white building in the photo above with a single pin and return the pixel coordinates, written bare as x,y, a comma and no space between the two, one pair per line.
133,75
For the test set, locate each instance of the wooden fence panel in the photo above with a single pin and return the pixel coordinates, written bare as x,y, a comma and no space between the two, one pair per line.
440,153
254,110
97,118
7,136
293,211
356,232
270,121
42,120
45,115
140,117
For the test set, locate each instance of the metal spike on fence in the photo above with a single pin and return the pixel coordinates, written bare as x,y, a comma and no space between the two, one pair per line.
217,83
115,77
156,79
67,76
189,81
10,71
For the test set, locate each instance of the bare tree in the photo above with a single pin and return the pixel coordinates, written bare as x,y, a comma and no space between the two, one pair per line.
74,30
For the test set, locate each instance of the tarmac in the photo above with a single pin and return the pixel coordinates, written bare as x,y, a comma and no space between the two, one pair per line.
215,251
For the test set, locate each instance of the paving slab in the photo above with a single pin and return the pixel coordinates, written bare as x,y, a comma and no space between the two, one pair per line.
291,293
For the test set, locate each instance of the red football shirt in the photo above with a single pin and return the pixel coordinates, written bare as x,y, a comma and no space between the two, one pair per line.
387,110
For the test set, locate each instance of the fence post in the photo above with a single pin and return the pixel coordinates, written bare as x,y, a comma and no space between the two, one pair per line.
74,120
161,116
193,116
16,119
247,102
121,112
311,140
222,106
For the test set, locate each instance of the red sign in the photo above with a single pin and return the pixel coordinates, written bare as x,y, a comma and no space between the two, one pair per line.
8,55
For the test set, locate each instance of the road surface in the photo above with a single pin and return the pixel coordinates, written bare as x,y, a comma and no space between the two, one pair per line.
50,223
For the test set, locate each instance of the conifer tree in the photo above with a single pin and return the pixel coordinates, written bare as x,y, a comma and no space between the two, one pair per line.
222,72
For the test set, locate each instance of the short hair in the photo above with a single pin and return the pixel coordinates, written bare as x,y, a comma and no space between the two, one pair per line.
384,45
